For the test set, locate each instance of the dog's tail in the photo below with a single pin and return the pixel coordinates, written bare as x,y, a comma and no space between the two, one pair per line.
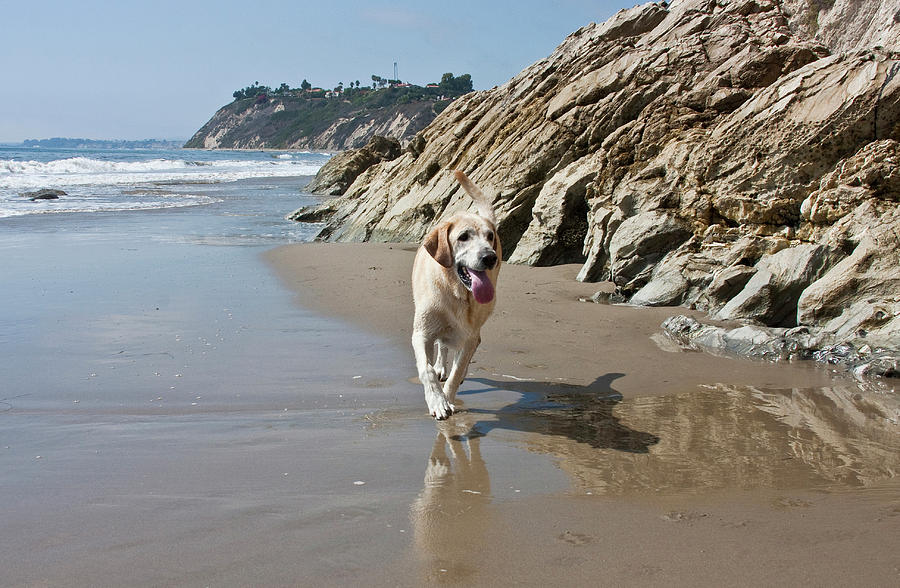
482,202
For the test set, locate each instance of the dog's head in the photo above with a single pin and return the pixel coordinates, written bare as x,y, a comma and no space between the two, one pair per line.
468,244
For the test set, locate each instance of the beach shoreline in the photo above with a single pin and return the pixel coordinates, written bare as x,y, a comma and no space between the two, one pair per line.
193,408
677,475
544,327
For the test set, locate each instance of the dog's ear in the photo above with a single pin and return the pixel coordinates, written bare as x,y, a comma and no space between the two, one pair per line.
437,244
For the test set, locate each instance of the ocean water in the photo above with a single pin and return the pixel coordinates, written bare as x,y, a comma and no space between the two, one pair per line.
150,358
121,180
149,268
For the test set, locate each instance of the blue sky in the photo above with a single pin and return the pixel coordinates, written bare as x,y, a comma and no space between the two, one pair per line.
137,70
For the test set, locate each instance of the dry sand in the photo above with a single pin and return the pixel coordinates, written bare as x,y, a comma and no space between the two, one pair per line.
588,454
540,329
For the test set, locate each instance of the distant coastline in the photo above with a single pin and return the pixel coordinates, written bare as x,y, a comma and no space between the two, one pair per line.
69,143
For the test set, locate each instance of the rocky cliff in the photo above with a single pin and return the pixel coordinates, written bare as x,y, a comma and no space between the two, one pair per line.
287,122
737,156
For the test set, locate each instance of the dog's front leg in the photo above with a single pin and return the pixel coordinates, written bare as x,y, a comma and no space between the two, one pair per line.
438,405
460,367
443,361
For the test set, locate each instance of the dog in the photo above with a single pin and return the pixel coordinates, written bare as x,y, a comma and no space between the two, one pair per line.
454,279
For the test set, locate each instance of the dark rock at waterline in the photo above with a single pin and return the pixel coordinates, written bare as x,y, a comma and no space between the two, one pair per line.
45,194
856,354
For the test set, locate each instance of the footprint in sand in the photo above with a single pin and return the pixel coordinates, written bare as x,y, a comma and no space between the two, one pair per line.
575,538
788,502
683,517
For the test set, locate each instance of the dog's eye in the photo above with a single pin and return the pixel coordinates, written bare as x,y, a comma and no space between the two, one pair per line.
464,236
490,236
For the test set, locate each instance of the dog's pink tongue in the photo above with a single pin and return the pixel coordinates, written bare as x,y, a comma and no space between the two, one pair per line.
482,288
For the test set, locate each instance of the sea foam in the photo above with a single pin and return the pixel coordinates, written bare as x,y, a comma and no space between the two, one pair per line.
84,171
118,180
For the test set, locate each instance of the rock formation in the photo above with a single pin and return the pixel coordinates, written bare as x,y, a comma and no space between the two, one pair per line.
298,123
44,194
341,170
736,156
846,25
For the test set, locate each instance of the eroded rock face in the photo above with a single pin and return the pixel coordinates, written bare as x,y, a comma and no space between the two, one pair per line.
733,155
260,125
771,294
341,170
777,344
639,243
847,25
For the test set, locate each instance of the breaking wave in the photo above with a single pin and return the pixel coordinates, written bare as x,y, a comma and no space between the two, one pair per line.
122,180
86,171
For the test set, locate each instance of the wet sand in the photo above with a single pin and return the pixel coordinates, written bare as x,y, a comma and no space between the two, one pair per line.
182,414
656,466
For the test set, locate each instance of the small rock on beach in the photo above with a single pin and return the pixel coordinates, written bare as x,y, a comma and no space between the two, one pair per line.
45,194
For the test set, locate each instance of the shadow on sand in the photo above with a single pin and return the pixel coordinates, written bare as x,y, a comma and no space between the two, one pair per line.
581,413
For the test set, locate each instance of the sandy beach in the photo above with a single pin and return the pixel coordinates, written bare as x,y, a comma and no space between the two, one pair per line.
196,411
540,331
656,466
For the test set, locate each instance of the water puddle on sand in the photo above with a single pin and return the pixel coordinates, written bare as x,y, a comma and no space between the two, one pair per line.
717,437
613,471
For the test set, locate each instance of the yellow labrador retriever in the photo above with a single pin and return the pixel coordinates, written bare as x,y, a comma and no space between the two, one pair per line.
453,280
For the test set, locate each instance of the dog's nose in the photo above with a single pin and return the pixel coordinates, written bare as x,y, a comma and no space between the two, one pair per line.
489,260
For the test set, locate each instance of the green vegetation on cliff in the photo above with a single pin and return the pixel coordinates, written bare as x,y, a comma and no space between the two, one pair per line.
312,117
450,86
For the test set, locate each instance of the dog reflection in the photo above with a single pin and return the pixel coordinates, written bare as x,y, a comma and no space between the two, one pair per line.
453,520
451,517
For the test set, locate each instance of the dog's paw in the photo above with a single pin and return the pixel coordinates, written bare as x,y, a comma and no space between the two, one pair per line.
441,409
440,415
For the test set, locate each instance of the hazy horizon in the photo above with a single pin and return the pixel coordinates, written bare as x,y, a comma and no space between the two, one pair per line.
99,139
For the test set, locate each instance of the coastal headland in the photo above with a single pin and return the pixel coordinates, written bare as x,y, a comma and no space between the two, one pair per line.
313,118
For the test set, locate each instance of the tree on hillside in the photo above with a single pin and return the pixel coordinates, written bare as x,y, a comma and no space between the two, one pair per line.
251,91
304,85
456,85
